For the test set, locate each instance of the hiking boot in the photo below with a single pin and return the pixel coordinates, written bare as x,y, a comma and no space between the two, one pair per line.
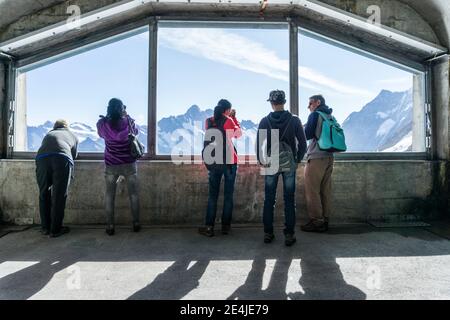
269,237
206,231
61,232
110,231
136,227
290,240
226,229
313,226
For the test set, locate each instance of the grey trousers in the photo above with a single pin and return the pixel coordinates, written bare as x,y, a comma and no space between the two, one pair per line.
112,174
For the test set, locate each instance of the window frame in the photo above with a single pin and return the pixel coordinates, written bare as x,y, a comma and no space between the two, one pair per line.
90,44
152,23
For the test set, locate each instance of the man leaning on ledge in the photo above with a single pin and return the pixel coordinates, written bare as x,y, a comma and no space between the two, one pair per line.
54,168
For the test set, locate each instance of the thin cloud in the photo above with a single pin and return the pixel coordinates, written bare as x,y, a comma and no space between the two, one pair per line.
245,54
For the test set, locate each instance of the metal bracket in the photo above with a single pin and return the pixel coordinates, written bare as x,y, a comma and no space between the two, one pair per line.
428,130
438,57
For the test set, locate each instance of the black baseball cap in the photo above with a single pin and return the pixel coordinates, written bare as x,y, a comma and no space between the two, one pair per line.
277,96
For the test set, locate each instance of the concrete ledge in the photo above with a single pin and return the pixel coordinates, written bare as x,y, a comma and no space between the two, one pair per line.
172,194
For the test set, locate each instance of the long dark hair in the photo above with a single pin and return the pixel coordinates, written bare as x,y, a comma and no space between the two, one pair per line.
115,111
222,106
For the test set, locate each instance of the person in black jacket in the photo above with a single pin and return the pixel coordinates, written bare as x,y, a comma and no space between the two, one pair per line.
291,132
54,167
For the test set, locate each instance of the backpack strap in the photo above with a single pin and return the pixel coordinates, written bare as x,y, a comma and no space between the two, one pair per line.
285,130
287,127
326,117
130,127
268,121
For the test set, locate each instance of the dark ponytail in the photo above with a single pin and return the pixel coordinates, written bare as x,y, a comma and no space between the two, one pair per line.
115,112
222,106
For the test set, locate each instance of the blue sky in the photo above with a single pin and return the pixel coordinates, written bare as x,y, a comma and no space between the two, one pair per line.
201,66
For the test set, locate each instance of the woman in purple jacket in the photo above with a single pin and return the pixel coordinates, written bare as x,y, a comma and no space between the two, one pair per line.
115,128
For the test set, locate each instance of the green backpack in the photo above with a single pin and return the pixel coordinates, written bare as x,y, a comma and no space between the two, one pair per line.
332,138
286,157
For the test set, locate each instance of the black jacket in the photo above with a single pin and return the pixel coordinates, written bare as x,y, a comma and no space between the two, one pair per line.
295,135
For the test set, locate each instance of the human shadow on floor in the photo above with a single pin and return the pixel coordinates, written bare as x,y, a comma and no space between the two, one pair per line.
24,284
174,283
252,288
321,279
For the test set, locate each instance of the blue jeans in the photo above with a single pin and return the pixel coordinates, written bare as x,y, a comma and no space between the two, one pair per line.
215,178
289,181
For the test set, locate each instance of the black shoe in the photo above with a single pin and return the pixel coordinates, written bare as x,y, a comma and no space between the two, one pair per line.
45,232
226,229
269,237
110,231
314,227
327,224
206,231
290,240
61,232
136,227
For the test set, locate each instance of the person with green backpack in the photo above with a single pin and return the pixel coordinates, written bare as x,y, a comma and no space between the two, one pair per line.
280,158
326,137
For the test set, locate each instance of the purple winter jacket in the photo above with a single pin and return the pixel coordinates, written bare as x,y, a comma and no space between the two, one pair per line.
117,149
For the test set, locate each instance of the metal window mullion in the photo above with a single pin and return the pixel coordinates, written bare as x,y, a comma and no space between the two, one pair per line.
429,113
152,91
11,109
293,67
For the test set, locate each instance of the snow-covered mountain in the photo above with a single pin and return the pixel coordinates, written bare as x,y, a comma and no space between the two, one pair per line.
89,140
184,134
87,136
383,125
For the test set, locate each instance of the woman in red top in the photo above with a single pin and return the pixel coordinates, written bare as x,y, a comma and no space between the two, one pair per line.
225,120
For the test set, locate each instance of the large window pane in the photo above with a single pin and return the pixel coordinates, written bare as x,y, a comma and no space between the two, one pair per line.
78,89
379,105
199,66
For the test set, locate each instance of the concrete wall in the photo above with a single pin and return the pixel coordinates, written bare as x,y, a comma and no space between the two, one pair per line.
437,14
394,14
174,195
47,16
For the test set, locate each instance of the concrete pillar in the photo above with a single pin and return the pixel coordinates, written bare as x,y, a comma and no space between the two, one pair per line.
441,131
419,132
441,109
21,135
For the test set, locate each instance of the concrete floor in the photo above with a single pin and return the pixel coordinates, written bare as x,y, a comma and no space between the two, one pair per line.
357,262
